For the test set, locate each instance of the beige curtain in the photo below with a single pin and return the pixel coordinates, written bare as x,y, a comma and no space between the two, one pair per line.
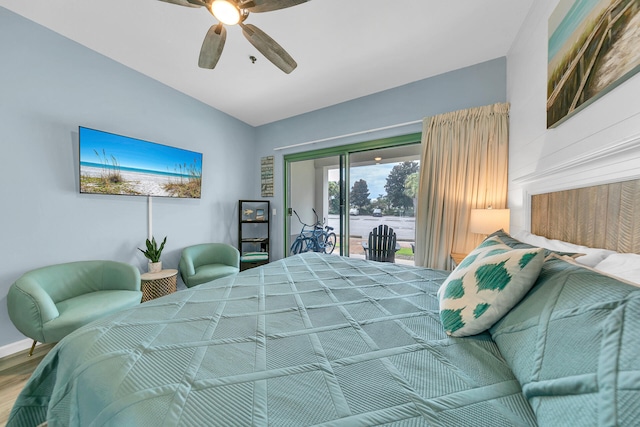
464,166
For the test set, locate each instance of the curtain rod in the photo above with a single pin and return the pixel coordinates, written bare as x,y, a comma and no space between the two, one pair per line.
348,135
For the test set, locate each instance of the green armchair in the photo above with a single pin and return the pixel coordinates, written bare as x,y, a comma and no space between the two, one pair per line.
48,303
208,261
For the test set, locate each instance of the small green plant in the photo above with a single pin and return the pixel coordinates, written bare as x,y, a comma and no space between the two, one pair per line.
153,252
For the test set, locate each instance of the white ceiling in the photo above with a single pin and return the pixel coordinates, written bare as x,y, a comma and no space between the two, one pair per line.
345,49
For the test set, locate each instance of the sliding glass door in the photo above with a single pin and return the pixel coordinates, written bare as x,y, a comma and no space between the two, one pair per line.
352,189
315,205
382,192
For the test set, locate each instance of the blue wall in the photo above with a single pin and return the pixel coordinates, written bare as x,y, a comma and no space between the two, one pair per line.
480,84
49,86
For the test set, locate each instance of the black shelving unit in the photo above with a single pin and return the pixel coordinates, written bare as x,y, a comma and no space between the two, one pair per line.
253,233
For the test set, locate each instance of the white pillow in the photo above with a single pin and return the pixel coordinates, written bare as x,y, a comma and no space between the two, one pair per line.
488,283
591,257
625,266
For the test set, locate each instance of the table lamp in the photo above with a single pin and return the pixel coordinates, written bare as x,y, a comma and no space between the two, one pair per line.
486,221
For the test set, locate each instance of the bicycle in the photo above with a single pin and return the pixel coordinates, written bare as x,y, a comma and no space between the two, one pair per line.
314,237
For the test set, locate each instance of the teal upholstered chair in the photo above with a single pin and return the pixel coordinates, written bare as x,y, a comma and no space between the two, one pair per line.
208,261
48,303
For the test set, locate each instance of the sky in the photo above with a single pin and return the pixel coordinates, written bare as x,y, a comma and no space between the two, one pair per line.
375,175
134,153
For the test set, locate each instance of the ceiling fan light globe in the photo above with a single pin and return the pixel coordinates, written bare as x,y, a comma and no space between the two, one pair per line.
225,12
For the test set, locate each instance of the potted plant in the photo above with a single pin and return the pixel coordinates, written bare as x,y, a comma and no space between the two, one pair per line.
153,253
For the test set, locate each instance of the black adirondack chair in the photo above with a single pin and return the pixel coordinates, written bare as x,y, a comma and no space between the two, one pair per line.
382,244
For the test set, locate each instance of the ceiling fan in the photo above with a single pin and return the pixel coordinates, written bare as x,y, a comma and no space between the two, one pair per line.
232,12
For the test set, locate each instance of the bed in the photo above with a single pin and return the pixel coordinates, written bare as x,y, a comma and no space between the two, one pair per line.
319,339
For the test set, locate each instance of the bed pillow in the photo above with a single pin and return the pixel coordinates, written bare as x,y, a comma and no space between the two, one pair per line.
624,266
514,243
486,285
572,343
591,256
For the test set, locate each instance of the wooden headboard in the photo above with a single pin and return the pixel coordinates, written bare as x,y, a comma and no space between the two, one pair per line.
602,216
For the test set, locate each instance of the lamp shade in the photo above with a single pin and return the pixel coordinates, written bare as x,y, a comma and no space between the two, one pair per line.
486,221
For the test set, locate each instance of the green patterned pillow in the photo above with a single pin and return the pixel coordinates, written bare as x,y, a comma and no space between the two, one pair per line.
488,283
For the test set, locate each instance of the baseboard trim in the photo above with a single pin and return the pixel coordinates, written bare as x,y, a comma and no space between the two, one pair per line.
16,347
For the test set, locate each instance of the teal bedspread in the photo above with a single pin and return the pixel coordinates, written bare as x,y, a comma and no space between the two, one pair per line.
310,340
574,344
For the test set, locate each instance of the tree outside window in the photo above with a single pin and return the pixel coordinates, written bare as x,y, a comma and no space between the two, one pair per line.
334,198
396,185
359,196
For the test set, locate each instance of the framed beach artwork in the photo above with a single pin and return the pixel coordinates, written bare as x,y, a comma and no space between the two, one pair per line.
594,45
117,164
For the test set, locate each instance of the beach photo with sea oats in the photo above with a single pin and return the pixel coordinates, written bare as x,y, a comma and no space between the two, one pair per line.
116,164
594,46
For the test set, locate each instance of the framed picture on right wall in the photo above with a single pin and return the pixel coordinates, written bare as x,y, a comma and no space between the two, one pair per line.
594,46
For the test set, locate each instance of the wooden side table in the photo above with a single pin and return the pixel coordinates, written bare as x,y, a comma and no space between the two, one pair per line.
456,259
156,285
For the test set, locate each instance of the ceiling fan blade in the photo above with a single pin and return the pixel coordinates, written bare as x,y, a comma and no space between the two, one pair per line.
212,46
269,48
187,3
256,6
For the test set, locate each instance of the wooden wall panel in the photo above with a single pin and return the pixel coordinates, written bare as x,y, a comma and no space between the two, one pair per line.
603,216
539,218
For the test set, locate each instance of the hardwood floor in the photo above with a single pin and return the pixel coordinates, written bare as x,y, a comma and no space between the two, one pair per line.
15,370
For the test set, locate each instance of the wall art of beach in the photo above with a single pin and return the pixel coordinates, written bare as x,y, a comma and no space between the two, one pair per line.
594,45
115,164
